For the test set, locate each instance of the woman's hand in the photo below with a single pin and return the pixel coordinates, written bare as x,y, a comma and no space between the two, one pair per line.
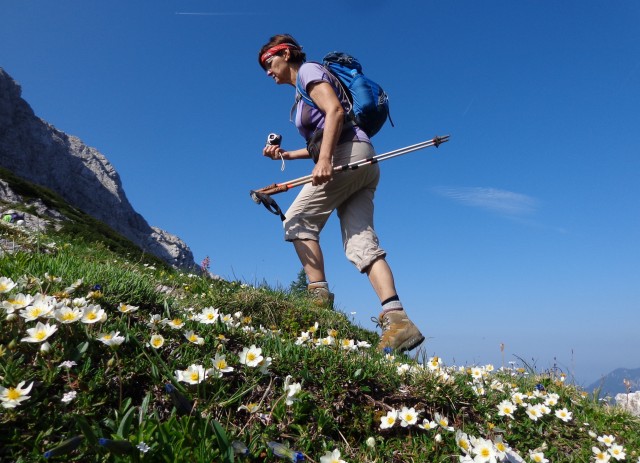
322,172
273,152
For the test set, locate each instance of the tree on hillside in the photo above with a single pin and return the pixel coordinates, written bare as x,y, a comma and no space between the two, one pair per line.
299,285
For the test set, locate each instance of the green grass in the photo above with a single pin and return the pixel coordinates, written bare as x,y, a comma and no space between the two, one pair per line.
121,392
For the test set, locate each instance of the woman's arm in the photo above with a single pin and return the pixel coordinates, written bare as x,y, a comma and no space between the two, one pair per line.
324,97
274,152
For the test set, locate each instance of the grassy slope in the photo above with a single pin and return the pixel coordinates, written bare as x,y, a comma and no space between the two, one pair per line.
121,392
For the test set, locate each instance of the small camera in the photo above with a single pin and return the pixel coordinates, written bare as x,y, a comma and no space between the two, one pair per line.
274,139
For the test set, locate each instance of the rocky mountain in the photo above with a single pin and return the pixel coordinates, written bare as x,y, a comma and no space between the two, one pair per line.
614,382
39,153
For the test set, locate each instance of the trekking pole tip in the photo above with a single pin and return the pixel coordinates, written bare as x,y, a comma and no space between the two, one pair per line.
437,140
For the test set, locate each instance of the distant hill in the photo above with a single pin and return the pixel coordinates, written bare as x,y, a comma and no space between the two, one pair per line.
613,383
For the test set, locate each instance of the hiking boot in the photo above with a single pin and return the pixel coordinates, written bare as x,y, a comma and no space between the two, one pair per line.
321,295
398,332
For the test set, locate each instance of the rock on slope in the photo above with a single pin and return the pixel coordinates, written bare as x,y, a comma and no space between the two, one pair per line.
37,152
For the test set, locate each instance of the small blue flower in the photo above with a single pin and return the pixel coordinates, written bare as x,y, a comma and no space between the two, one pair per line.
387,350
281,451
540,387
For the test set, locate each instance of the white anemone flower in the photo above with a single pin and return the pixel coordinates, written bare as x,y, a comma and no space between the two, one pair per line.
251,356
208,315
427,425
463,442
41,307
328,341
67,315
518,398
533,411
264,365
617,452
408,416
501,448
155,321
93,314
434,363
484,451
250,407
607,440
538,457
80,302
332,457
564,414
443,422
6,285
112,339
156,341
600,455
11,397
194,338
220,364
127,308
291,390
552,400
348,344
477,373
389,420
175,323
506,408
403,369
304,337
16,302
195,374
40,332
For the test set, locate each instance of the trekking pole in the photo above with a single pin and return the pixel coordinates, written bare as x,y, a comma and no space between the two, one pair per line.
263,195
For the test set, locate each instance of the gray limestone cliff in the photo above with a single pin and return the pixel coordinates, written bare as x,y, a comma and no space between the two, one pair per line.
39,153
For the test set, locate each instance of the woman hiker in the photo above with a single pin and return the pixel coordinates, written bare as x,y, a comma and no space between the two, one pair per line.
350,192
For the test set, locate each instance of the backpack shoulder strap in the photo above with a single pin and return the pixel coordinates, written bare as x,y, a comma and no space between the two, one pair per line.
301,93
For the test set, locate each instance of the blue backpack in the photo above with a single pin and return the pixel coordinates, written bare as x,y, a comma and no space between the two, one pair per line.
369,103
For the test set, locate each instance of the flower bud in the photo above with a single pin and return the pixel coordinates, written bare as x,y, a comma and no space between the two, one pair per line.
371,442
13,344
117,447
64,447
12,317
45,348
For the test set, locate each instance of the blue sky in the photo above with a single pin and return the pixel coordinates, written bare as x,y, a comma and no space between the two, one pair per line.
524,229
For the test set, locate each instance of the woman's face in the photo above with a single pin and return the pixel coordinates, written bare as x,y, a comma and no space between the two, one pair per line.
277,68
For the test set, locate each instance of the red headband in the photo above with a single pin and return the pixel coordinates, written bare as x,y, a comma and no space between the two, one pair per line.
275,49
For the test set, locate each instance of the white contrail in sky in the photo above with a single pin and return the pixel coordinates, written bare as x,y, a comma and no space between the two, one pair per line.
196,13
501,201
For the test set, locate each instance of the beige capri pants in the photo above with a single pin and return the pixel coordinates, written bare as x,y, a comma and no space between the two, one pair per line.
351,193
